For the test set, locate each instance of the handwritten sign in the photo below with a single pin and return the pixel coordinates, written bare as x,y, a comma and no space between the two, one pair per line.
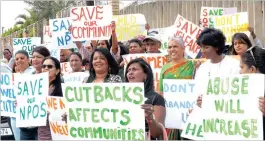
47,34
91,22
106,110
208,12
56,107
180,97
189,32
61,37
31,99
7,95
230,108
75,77
156,62
129,26
27,44
66,68
193,128
231,24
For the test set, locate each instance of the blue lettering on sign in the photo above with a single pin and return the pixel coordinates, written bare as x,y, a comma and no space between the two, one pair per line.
64,40
22,41
33,111
61,25
180,88
5,79
26,87
184,117
8,106
180,104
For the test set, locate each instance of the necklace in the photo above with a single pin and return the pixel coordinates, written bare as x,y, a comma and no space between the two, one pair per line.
209,73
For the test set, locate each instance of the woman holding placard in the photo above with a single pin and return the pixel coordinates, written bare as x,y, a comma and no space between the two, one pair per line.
177,68
253,61
138,70
22,63
51,65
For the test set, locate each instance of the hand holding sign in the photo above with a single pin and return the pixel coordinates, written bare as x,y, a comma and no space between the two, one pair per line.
262,104
199,101
113,26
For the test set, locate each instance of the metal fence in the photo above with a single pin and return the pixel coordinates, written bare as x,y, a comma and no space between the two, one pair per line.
163,13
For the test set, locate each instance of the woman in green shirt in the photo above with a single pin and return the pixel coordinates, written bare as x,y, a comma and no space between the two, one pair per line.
177,68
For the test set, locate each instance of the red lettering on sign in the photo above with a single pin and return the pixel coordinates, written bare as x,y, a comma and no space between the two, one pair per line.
88,13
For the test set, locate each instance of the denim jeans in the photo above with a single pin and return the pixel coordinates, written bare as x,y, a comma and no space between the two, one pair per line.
29,133
16,131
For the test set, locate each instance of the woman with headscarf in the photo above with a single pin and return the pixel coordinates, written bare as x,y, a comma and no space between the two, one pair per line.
138,70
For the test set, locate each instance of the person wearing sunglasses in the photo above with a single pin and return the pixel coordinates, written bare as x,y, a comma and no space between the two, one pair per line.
212,43
51,65
253,61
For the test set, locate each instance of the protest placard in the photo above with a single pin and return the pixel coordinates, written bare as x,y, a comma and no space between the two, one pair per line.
47,34
129,26
61,37
164,34
8,96
230,108
189,32
180,97
208,12
231,24
155,60
193,128
31,99
77,77
56,108
105,111
27,44
66,68
91,22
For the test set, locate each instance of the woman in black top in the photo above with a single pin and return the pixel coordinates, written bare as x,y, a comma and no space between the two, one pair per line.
139,71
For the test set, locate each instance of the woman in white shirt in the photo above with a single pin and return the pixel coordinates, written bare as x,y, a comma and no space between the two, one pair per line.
212,43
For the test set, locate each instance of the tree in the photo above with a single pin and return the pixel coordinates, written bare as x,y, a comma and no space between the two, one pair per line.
33,17
49,9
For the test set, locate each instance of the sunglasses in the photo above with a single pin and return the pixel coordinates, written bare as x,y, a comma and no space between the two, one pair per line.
49,66
251,53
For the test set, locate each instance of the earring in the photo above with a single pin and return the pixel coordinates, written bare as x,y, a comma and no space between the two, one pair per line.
109,70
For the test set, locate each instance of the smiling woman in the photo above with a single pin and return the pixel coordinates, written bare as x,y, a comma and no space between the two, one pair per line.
38,54
103,67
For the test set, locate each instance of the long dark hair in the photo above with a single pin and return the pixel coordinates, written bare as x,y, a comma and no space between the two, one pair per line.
255,56
243,38
113,66
149,82
57,82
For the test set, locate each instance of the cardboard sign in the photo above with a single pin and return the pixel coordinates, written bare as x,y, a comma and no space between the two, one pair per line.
193,128
56,107
208,12
230,108
27,44
31,99
47,34
62,38
77,77
231,24
66,68
189,32
105,111
129,26
155,60
8,96
180,96
91,22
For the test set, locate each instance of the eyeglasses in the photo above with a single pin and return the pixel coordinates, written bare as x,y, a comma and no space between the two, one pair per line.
251,53
49,66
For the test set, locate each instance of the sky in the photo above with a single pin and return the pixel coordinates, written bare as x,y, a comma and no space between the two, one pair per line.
9,11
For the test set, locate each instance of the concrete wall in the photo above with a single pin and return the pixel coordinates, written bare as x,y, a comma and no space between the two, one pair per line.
163,13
